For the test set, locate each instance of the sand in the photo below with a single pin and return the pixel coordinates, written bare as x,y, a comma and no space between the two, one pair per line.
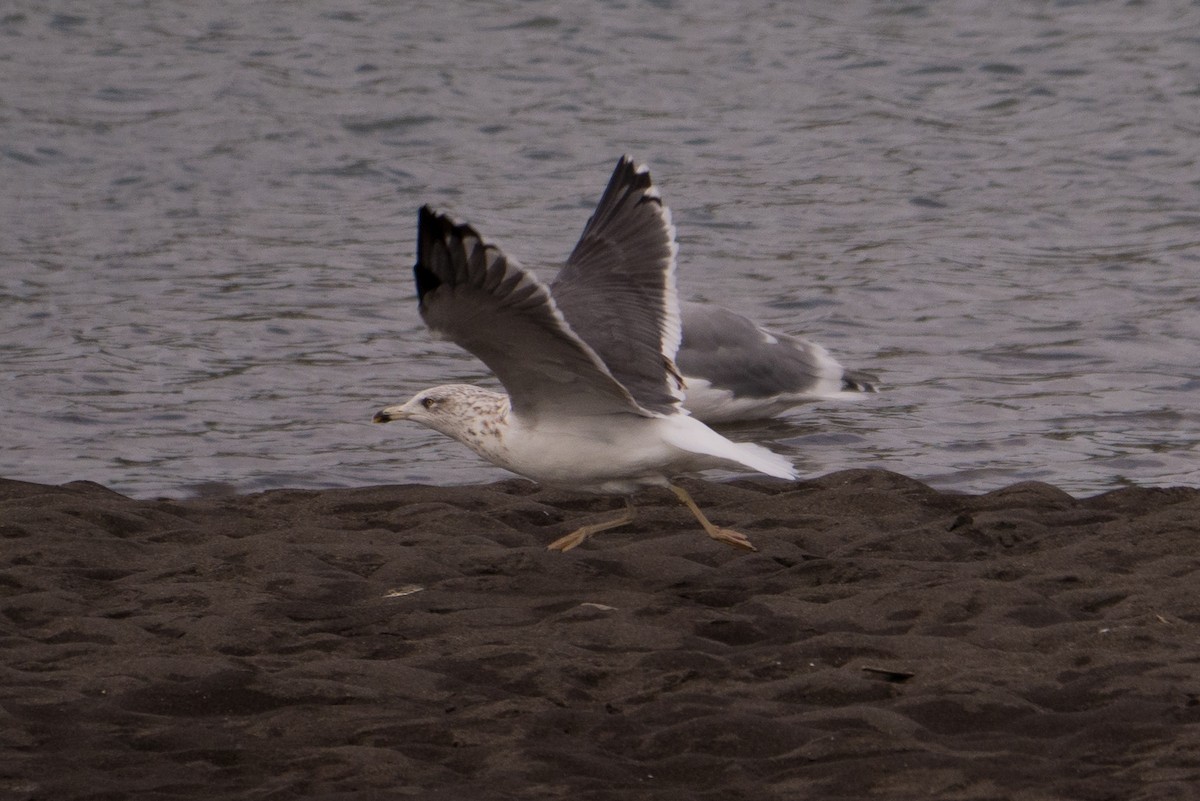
887,641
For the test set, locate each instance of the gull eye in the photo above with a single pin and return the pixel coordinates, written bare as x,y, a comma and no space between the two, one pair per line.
428,402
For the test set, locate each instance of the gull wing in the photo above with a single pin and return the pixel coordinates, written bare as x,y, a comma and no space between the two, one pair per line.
732,352
472,294
617,289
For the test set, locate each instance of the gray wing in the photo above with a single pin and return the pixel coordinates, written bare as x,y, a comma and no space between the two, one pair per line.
472,294
731,352
617,289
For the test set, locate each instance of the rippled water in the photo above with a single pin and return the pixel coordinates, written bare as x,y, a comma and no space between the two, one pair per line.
209,213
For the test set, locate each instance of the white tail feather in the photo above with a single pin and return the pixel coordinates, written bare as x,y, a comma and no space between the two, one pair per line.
689,434
765,460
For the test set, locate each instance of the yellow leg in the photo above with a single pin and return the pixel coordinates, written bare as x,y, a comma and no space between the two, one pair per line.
578,536
725,535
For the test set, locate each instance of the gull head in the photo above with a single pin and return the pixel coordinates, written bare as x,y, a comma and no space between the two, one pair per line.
460,411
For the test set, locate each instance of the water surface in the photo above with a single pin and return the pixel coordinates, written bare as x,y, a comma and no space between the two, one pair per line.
210,211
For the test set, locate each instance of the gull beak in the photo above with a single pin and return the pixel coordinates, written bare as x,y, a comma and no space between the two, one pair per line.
390,413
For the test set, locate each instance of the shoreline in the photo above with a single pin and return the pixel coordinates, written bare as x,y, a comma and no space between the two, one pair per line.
887,640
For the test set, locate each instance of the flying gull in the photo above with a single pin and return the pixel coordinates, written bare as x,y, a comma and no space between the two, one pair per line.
593,397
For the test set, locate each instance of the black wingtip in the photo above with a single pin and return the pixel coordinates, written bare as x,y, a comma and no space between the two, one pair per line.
859,382
426,281
430,225
629,173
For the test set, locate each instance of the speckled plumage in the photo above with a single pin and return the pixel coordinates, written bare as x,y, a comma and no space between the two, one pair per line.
476,417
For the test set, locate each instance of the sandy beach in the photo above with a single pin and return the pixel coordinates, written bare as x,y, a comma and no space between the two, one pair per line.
886,641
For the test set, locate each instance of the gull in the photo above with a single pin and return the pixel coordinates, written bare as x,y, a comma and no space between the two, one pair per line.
735,369
592,399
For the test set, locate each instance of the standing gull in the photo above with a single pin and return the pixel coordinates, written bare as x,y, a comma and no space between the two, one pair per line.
594,397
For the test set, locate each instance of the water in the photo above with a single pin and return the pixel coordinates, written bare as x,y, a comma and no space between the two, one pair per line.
209,213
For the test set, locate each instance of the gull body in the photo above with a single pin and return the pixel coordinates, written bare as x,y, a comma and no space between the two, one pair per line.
587,454
593,397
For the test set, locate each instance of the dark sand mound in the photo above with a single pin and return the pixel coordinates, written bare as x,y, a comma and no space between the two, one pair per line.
887,641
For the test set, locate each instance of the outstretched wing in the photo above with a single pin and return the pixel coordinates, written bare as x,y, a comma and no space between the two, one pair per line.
472,294
617,289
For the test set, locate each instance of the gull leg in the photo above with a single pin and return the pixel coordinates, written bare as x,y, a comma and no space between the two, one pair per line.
726,535
579,535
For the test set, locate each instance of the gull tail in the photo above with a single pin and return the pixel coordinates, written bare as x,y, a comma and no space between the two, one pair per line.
764,460
689,434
